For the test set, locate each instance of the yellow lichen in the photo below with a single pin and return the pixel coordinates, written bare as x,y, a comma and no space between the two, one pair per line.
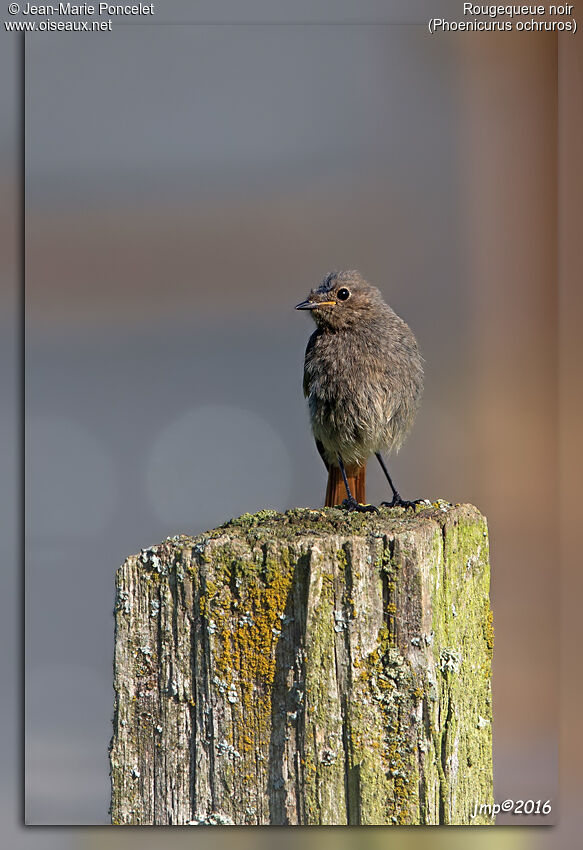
245,642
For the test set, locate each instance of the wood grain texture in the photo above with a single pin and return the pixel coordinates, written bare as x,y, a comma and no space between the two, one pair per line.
311,667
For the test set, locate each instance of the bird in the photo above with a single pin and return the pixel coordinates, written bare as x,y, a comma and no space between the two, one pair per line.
363,379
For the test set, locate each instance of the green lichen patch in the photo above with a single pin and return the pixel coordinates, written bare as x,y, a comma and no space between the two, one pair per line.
463,644
384,737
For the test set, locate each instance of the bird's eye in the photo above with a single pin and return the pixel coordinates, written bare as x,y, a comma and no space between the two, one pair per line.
343,294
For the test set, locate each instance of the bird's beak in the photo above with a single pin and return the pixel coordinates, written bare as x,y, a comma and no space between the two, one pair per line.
312,305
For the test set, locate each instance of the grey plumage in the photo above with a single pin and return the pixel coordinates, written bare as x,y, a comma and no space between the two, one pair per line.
363,374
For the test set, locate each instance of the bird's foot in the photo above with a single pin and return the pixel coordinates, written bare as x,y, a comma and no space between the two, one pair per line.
398,502
353,505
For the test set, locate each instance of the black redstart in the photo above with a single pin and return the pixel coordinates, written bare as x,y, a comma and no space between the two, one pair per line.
363,379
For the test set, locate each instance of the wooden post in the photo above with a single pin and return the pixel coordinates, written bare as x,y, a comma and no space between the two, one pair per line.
312,667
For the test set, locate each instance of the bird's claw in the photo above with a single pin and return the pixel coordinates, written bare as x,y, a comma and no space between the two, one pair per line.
353,505
398,502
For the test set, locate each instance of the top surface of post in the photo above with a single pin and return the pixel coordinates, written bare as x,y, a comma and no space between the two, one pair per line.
323,522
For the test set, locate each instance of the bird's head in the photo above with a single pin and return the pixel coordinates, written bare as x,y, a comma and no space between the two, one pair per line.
342,299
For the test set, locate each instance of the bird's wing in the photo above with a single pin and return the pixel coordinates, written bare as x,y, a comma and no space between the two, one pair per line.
309,349
307,357
320,448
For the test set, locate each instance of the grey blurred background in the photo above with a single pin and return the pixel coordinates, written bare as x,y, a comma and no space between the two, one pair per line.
185,187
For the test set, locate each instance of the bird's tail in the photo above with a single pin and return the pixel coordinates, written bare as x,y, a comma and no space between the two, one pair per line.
336,491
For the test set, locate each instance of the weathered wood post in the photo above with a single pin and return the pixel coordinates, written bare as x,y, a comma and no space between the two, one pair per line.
312,667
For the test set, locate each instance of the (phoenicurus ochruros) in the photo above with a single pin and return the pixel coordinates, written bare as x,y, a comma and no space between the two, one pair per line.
363,378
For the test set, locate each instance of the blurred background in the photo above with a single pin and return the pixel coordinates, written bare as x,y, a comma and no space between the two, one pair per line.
185,187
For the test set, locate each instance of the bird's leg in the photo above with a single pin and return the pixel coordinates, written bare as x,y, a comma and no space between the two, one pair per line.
397,501
350,503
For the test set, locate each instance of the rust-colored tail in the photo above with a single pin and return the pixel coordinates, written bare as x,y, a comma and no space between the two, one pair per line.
336,491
